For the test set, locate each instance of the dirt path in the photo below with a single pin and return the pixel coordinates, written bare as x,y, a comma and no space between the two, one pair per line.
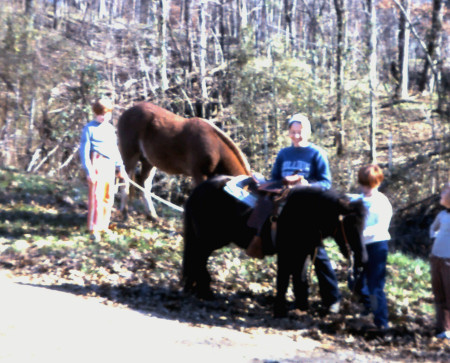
43,325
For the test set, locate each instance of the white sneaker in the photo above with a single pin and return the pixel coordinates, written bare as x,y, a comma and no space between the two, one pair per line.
444,335
334,308
95,237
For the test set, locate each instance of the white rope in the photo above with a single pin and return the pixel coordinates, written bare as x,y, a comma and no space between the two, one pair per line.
159,199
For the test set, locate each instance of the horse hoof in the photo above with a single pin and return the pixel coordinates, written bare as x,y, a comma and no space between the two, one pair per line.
152,218
205,295
279,314
279,311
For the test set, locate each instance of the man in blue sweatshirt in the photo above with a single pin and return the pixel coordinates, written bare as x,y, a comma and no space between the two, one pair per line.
307,164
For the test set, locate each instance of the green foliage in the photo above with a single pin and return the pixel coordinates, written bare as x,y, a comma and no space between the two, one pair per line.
408,283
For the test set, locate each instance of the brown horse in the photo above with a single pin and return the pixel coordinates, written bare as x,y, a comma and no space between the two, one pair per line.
176,145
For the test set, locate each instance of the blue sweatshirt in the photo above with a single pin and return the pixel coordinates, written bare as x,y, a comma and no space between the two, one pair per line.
309,161
101,138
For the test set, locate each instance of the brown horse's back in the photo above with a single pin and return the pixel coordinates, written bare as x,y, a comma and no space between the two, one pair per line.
177,145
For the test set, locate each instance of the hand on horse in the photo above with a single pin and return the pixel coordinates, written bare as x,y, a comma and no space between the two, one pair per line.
121,174
294,179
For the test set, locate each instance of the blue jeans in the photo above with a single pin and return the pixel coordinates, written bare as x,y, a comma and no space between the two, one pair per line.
370,285
328,284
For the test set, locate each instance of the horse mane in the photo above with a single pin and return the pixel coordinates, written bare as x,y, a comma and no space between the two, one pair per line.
354,207
341,200
230,143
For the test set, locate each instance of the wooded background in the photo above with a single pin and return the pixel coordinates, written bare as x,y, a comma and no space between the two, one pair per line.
373,76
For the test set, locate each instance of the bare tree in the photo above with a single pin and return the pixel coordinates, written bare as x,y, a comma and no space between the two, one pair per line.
433,40
203,44
29,7
403,50
340,20
187,25
144,11
289,15
165,7
373,77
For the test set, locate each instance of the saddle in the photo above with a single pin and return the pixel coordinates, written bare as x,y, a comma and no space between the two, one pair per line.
267,201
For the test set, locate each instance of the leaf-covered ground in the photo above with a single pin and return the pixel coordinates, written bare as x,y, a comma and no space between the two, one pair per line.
43,237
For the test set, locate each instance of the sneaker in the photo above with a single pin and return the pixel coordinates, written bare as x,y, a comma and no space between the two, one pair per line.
108,233
444,335
334,308
95,237
366,312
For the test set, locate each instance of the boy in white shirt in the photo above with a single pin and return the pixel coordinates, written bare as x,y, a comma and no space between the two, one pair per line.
370,285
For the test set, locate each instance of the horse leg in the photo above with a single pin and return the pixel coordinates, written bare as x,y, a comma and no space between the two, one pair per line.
300,282
203,288
283,275
196,278
148,172
130,164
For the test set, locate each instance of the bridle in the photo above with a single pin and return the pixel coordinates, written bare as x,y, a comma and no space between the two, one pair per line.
347,244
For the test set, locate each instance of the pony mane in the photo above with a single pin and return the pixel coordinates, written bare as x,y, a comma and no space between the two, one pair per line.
345,206
227,140
355,208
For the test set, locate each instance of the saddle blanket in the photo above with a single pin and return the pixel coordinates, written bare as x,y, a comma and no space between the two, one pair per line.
236,188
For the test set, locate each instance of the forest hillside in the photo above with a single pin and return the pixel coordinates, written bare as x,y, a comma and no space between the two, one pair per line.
373,77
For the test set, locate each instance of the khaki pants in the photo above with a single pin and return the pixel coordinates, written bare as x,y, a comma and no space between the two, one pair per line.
440,284
101,194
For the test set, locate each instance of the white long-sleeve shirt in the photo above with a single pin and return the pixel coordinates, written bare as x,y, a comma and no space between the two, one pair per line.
440,229
378,218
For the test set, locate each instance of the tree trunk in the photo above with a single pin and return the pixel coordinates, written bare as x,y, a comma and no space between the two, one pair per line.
289,24
203,44
403,50
165,6
243,14
188,38
373,81
144,11
29,7
55,14
433,40
223,43
31,126
340,20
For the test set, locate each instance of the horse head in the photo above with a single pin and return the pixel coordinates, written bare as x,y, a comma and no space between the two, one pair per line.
348,234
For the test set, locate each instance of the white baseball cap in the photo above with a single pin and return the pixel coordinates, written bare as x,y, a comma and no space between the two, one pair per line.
301,118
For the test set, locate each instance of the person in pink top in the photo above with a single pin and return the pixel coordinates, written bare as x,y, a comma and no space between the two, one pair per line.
100,157
440,265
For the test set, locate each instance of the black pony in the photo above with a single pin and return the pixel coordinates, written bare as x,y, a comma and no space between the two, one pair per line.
213,219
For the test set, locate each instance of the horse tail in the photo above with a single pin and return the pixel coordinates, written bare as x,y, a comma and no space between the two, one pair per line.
234,148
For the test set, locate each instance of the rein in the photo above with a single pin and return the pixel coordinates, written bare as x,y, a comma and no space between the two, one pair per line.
351,266
347,244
